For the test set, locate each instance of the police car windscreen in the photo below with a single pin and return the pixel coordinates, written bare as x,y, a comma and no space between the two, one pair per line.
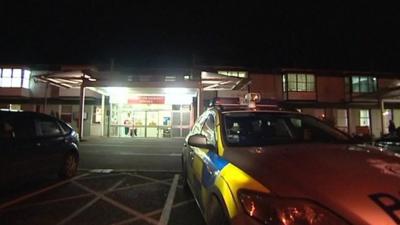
267,128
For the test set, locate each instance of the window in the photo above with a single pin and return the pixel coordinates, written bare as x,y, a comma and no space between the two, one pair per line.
27,76
198,124
6,130
67,129
364,117
341,120
299,82
6,78
363,84
284,83
14,77
208,129
23,127
240,74
48,128
263,128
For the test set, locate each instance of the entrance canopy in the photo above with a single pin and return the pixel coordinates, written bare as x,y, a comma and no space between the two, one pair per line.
71,79
208,81
217,82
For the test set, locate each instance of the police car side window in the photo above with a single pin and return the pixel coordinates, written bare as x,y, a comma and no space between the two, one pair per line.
208,129
198,125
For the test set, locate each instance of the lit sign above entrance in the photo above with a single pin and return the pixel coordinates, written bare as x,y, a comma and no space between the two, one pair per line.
146,100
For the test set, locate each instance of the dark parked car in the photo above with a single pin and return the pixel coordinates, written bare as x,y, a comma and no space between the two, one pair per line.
33,144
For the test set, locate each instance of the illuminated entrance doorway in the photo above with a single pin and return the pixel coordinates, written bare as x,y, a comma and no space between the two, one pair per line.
152,123
145,115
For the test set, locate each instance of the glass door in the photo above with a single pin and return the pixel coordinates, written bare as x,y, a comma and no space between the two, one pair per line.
139,119
164,121
152,124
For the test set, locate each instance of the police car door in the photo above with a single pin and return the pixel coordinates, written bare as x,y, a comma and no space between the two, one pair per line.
202,164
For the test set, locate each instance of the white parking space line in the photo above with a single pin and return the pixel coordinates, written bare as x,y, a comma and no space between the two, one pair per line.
132,146
30,195
118,205
87,205
98,176
136,153
151,213
170,200
136,185
166,181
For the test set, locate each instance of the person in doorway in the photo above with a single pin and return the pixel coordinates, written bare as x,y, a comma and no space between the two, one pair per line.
392,127
127,125
132,128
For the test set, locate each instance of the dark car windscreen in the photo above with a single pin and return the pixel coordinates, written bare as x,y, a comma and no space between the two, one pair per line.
268,128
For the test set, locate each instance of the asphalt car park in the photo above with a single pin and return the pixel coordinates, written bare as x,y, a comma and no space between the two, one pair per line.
104,197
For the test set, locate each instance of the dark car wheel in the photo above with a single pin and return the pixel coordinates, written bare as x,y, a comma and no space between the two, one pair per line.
215,214
70,166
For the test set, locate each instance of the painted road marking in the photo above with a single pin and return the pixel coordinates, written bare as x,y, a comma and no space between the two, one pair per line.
170,200
48,202
134,153
83,208
149,214
138,185
100,175
154,180
134,171
27,196
118,205
132,145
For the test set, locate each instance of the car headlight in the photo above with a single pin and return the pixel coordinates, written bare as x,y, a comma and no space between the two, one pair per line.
273,210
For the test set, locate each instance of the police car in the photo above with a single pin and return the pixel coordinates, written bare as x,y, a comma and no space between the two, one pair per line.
258,164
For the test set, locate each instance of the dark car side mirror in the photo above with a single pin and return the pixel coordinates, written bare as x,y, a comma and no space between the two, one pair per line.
200,141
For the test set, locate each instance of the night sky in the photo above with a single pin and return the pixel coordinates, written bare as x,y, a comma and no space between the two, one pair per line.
161,33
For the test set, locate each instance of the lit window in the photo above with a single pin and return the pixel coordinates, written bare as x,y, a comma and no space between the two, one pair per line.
27,76
284,83
292,82
16,78
186,77
363,84
310,82
299,82
6,78
364,117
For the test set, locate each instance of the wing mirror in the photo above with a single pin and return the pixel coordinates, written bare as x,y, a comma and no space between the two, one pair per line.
200,141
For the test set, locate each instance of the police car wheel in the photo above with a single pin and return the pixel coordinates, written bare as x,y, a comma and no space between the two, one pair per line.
215,214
